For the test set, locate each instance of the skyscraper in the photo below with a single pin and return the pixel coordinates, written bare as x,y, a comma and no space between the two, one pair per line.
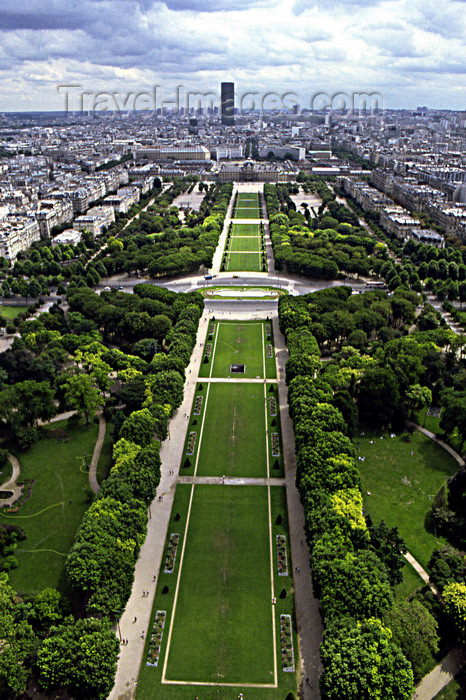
228,104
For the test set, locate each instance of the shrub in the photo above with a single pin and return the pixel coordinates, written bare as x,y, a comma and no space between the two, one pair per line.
165,590
283,593
186,463
279,519
177,517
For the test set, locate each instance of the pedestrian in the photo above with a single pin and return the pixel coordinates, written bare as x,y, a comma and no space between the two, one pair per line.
154,578
135,618
301,541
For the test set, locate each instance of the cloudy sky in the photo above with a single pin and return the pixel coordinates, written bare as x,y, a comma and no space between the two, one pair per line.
412,52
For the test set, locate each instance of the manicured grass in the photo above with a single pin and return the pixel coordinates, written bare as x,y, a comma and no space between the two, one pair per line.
216,519
50,518
245,230
233,441
249,262
247,213
242,243
402,485
238,343
11,312
228,638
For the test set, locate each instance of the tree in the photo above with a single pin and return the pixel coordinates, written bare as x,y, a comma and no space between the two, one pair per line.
362,663
81,657
417,397
27,402
454,413
389,547
378,396
18,644
454,597
415,631
82,395
139,427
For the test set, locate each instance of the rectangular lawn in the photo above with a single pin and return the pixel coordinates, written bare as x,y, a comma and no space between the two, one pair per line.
248,243
249,262
222,630
233,440
245,230
239,343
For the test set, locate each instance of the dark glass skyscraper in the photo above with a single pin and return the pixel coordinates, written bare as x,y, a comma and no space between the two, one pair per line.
228,104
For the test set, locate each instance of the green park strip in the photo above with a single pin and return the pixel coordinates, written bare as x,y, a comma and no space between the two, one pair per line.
221,628
59,497
247,213
233,442
249,262
245,243
239,344
240,292
222,520
402,479
245,230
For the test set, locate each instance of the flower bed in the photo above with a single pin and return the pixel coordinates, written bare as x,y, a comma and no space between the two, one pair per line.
275,445
171,553
156,638
281,556
198,405
211,328
273,406
268,330
208,349
191,442
269,351
286,638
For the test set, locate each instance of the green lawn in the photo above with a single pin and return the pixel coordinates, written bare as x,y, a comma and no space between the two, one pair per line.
222,630
233,440
10,312
245,230
249,262
242,243
247,213
50,518
229,638
402,485
238,343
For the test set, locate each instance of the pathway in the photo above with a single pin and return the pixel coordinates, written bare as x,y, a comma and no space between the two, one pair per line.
307,606
440,442
11,485
96,454
231,480
422,573
136,616
441,675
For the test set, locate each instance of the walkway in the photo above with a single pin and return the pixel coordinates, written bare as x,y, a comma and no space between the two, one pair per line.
136,616
422,573
96,454
440,442
441,675
231,480
11,484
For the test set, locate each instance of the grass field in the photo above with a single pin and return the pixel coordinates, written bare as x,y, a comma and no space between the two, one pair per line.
235,424
245,243
402,485
227,539
245,230
238,343
222,641
247,206
248,262
50,518
10,312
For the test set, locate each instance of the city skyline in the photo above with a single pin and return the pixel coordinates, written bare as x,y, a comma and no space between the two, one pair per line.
410,53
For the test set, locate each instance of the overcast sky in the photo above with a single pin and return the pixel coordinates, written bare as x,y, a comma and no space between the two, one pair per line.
412,52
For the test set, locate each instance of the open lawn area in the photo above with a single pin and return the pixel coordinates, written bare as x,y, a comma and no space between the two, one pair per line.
11,312
60,494
249,262
233,440
402,479
238,343
245,243
247,213
245,230
222,630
